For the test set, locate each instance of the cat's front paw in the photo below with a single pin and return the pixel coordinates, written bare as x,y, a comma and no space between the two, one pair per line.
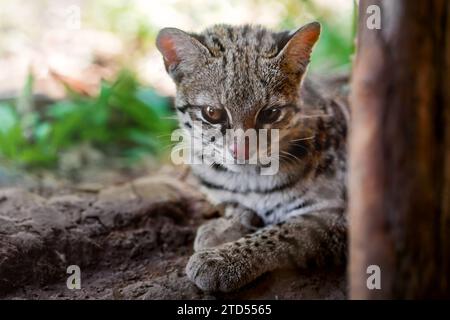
216,270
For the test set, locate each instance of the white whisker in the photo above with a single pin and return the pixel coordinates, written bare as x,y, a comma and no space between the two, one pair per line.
302,139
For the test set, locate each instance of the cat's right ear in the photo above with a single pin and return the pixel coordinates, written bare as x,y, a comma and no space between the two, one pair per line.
181,51
297,46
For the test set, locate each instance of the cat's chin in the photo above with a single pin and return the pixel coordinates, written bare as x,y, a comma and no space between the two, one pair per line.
243,168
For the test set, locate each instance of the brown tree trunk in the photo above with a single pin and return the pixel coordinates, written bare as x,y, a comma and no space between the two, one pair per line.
399,181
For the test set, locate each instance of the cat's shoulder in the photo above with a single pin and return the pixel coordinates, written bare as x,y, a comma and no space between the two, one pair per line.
326,92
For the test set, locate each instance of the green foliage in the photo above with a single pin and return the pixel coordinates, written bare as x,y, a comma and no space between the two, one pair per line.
334,49
125,120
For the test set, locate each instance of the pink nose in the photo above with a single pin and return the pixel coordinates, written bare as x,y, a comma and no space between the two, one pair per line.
239,151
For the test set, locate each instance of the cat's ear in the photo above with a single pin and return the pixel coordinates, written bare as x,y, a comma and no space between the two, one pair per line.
179,49
297,47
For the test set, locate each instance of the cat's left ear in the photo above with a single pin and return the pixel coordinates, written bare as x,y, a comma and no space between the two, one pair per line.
297,50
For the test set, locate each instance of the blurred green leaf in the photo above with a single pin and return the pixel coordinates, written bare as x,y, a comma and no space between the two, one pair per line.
125,120
25,100
8,118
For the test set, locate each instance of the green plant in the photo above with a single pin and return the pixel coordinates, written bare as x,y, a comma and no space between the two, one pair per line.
125,120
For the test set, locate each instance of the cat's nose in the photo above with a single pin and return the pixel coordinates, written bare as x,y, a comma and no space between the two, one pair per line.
240,150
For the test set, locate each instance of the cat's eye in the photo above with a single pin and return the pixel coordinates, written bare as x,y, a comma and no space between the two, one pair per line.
269,115
213,115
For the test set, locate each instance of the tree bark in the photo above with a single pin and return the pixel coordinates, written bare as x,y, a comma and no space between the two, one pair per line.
399,180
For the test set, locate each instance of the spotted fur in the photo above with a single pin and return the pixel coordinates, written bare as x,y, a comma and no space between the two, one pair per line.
301,209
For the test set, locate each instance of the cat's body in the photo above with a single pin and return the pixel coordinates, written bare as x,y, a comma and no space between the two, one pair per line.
251,78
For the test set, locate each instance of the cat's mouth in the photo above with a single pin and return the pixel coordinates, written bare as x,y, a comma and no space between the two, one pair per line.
251,165
244,158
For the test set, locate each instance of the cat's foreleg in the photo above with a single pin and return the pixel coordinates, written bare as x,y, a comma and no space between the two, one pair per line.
317,238
236,223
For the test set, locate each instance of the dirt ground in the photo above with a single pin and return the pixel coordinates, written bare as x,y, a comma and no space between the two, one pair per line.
131,241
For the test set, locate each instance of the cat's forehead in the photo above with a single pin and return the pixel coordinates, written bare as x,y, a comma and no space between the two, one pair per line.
222,39
233,100
243,73
235,86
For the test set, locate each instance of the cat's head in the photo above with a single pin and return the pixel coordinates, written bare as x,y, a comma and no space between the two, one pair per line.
244,77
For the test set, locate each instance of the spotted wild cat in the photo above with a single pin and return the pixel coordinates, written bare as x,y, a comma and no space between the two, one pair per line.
248,77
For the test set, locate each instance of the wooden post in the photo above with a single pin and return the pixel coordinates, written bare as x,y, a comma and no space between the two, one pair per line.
399,180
